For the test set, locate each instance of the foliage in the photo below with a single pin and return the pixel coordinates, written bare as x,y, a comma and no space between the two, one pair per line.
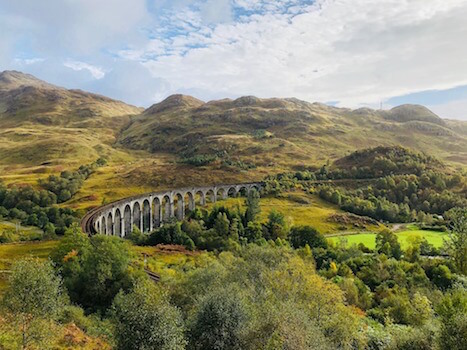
35,208
457,243
94,268
219,322
306,235
145,320
68,183
33,300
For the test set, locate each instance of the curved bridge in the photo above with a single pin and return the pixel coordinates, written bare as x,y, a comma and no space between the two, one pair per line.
149,211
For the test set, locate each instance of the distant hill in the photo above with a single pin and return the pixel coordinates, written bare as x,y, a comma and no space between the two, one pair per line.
45,129
285,132
43,123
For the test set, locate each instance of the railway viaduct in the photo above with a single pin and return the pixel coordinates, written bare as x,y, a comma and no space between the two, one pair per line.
149,211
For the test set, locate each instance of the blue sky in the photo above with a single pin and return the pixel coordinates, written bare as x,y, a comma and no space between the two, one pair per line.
352,52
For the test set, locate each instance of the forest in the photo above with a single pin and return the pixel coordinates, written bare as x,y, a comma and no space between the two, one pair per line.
256,286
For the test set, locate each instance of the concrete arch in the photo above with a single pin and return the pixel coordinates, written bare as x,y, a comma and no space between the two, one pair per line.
147,216
189,200
128,220
179,206
118,223
150,210
242,191
137,216
232,192
167,208
157,212
110,224
200,197
221,193
211,195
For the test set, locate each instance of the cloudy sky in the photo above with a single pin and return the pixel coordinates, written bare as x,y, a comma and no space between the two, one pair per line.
348,53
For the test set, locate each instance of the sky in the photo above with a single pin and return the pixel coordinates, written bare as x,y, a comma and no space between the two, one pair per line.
348,53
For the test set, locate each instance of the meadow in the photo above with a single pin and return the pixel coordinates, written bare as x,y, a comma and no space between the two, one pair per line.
435,238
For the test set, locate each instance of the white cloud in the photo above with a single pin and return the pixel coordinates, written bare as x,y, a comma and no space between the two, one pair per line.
28,61
96,72
355,52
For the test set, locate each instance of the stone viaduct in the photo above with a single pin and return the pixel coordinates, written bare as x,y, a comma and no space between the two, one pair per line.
151,210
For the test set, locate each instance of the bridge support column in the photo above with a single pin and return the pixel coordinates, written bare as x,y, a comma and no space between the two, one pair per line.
180,209
158,216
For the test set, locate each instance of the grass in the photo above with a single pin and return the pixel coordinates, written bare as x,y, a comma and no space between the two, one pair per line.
299,208
435,238
21,233
10,252
170,261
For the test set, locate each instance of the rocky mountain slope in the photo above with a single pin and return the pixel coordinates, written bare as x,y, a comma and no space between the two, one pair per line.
45,129
286,132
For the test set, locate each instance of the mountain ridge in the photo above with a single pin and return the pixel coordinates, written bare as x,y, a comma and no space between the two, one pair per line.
185,141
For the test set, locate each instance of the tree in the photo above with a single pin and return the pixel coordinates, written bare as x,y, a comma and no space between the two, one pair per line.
33,299
145,320
453,312
219,322
94,269
303,235
387,243
252,206
277,226
457,243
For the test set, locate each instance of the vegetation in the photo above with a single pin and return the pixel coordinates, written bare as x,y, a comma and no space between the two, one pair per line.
66,186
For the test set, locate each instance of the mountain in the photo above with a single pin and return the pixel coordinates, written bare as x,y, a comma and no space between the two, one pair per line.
41,123
45,129
285,133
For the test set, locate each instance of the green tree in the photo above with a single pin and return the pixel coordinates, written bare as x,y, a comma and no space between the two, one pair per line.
276,226
94,269
145,320
219,323
307,235
252,206
457,242
387,243
453,312
33,299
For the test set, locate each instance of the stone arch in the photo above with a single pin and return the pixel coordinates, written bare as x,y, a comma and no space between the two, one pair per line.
110,224
200,197
255,187
146,224
118,223
179,205
221,193
243,191
136,215
98,226
157,211
128,220
232,192
167,207
189,200
211,195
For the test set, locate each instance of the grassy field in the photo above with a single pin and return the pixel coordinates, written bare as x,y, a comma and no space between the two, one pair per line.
9,252
20,233
299,208
368,239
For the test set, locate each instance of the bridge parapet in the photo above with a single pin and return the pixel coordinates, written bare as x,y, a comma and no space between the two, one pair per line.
150,210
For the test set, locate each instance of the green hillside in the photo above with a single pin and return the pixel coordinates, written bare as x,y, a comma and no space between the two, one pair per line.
180,141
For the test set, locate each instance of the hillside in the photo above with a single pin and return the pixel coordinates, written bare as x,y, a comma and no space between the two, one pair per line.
45,129
43,126
284,133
